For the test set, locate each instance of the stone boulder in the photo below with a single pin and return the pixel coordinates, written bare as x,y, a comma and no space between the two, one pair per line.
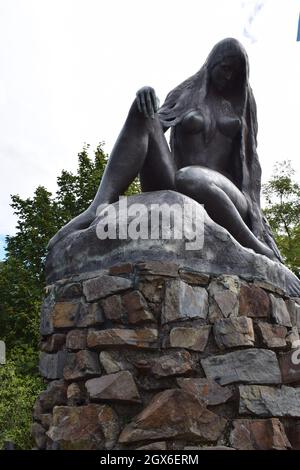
82,251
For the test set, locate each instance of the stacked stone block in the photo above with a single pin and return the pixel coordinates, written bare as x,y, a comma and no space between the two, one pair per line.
155,356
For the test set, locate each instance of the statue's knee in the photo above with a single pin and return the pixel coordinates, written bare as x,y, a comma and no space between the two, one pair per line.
188,180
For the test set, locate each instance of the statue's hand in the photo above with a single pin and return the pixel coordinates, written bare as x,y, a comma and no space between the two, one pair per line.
147,101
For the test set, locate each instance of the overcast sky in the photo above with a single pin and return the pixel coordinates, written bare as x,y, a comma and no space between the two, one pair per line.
69,70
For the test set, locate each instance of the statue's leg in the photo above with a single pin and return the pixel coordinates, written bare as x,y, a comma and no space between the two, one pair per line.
223,201
140,148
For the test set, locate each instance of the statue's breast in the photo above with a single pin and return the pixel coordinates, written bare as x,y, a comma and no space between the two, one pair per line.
193,123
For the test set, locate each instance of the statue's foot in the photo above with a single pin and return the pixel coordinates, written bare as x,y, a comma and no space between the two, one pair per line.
80,222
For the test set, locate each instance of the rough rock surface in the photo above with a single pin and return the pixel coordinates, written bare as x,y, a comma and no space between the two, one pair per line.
159,421
87,427
83,251
257,366
267,401
259,434
233,332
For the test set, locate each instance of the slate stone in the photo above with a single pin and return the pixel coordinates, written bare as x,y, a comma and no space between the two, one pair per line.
103,286
64,314
294,311
253,302
76,339
269,402
184,302
137,308
223,297
169,365
257,366
233,332
279,311
111,362
55,394
46,325
206,390
174,414
53,343
82,365
113,308
194,339
118,387
89,314
259,434
194,277
140,339
51,366
89,427
273,336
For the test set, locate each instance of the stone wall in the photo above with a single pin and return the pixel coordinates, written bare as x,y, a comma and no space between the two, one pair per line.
154,356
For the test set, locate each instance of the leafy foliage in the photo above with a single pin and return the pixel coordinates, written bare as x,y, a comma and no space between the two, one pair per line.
282,195
18,391
22,286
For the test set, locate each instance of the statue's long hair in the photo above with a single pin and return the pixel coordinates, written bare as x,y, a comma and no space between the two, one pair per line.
192,94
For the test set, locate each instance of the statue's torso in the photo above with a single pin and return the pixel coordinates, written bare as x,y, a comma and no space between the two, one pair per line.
208,142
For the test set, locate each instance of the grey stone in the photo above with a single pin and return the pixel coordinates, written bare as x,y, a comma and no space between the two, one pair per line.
46,325
89,314
257,366
117,337
259,434
190,338
194,277
76,339
110,363
54,395
279,312
103,286
75,394
82,252
113,308
273,336
294,311
51,366
53,343
119,387
268,401
206,390
233,332
137,308
177,363
223,297
253,301
82,365
183,302
292,338
174,414
69,291
89,427
39,435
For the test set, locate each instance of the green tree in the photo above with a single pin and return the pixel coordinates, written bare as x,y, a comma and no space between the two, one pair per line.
22,286
38,219
282,195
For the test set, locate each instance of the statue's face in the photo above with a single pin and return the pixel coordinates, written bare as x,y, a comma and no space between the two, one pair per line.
225,74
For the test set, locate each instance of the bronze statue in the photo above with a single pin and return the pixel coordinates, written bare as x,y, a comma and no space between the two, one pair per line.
213,156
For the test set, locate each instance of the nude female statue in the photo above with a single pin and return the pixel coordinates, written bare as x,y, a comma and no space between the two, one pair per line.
213,156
